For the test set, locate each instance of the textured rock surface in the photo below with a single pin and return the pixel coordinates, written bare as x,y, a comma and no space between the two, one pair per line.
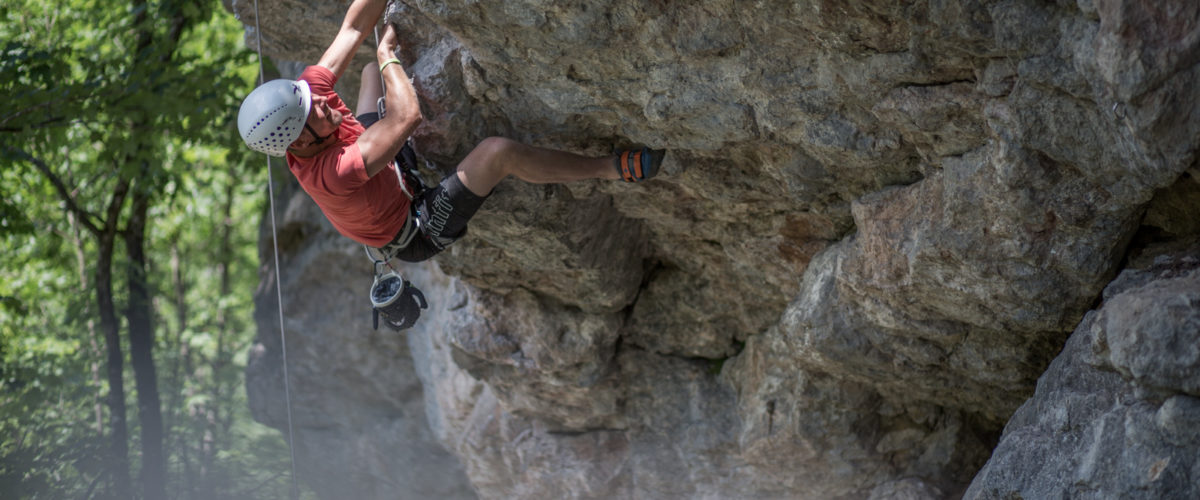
1117,415
357,408
878,224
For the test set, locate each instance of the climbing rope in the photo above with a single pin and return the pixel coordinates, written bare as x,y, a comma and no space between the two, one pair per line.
287,390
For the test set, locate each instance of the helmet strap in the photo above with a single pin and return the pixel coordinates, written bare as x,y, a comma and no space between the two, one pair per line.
317,139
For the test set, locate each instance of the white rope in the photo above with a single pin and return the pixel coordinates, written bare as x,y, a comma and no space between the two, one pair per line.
382,82
287,390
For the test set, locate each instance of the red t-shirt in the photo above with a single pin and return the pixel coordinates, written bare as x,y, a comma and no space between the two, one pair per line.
369,210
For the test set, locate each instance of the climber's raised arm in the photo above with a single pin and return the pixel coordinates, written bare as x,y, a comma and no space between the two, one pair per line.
359,22
380,143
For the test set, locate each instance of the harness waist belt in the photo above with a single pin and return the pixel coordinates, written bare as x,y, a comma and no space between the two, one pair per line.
405,236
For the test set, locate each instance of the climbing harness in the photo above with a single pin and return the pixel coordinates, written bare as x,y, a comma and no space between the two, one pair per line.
287,390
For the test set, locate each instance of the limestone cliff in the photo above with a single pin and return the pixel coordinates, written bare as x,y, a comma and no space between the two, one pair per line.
879,223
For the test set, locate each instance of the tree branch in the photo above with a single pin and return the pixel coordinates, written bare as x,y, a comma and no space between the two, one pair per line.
86,218
24,111
115,204
31,126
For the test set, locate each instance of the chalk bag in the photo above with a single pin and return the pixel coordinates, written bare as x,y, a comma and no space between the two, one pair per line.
397,300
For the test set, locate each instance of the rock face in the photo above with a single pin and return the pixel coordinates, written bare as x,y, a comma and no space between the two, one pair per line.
1117,415
877,225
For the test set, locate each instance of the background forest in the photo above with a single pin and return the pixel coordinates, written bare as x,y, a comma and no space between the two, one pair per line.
128,217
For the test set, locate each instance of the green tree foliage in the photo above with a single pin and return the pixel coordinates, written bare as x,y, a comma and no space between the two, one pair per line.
117,140
47,393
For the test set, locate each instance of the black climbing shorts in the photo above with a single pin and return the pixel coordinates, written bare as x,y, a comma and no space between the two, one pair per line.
442,212
368,119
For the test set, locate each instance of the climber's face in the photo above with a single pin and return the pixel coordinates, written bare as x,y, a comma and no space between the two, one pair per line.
323,121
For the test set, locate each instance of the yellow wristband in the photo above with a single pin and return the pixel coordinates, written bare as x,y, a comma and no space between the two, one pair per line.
387,62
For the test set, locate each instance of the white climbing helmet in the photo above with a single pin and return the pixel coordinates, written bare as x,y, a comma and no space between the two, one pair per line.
273,115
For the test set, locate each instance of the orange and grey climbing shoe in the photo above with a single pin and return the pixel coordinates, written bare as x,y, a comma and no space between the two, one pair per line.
637,165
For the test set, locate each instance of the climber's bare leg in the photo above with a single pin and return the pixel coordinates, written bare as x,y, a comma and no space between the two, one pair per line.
496,158
369,90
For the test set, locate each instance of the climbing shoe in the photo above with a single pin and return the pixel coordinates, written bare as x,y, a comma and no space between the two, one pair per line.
637,165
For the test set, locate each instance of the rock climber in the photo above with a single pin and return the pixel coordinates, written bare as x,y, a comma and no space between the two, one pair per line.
347,162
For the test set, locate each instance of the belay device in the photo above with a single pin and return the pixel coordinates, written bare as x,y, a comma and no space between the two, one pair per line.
394,298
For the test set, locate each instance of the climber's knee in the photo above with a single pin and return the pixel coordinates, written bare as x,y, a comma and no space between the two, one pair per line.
487,164
495,154
370,89
371,68
496,149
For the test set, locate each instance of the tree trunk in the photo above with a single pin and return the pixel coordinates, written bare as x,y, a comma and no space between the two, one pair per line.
94,365
141,349
119,467
181,375
110,325
140,312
